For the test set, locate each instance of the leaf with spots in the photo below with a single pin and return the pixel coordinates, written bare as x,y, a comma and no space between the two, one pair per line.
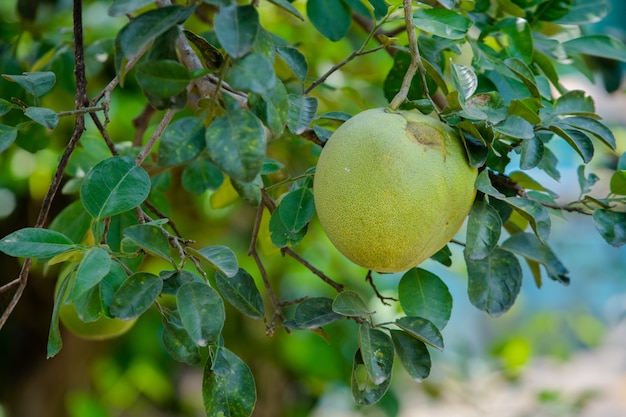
364,390
135,296
201,311
377,353
228,386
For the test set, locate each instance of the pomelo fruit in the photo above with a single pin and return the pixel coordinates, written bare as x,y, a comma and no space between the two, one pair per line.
392,188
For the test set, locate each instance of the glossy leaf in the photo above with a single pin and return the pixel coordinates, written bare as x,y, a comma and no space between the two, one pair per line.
177,342
35,83
272,108
228,387
296,209
583,12
364,390
535,213
483,230
424,294
302,111
220,257
528,246
253,73
578,140
295,60
603,46
135,296
114,186
422,329
8,134
494,282
94,266
573,102
377,353
593,127
314,313
412,353
236,28
349,303
201,175
552,10
585,181
519,38
525,74
241,292
37,243
201,311
464,79
236,144
483,184
181,141
46,117
150,238
442,22
330,17
73,221
611,225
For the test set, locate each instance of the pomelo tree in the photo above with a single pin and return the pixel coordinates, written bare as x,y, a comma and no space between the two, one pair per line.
177,130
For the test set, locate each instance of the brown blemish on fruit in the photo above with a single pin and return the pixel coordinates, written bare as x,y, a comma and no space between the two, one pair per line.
426,136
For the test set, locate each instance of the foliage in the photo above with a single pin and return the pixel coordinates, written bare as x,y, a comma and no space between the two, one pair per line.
226,85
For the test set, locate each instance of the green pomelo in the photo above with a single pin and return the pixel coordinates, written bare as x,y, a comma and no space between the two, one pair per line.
392,188
102,329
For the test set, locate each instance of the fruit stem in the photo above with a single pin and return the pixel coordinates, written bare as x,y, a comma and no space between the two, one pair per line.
416,61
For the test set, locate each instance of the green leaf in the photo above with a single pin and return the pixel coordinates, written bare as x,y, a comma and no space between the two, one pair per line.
162,78
133,38
201,175
241,292
181,141
236,28
46,117
593,127
272,108
621,162
35,83
253,73
302,111
220,257
296,209
464,79
73,221
483,184
236,144
364,390
36,243
315,312
349,303
585,182
515,127
284,4
484,226
94,266
528,246
377,353
611,225
114,186
552,10
250,192
531,153
494,282
442,22
121,7
421,329
525,74
604,46
201,311
618,182
8,134
330,17
55,343
135,296
574,102
109,285
535,213
212,56
228,387
177,341
295,61
150,238
395,77
578,140
280,235
88,306
413,354
582,12
519,39
424,294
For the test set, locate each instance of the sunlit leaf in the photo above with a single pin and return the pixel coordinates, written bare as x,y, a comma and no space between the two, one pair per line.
422,329
201,311
377,353
583,12
33,242
220,257
114,186
442,22
604,46
135,296
424,294
412,353
465,80
618,182
228,387
241,292
494,282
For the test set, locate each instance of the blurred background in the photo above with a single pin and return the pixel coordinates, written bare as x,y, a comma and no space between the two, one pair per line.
561,351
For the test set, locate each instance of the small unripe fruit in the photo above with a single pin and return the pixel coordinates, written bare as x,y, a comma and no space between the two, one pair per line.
392,188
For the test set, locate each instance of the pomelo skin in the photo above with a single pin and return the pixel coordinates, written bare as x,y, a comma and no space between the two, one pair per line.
392,188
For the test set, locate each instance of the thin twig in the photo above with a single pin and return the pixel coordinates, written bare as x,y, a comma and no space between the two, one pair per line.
84,110
381,297
145,151
141,123
415,64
